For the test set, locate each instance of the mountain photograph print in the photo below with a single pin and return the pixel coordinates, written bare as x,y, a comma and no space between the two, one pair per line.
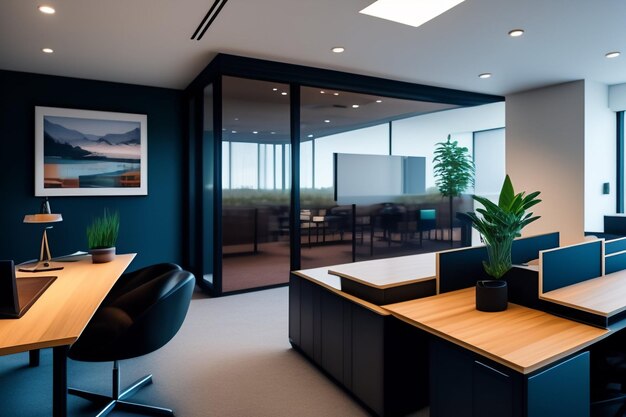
84,152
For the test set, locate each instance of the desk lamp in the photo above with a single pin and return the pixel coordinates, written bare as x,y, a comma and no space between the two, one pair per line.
45,215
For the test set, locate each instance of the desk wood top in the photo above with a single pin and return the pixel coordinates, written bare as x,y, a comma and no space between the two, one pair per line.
320,276
605,295
389,272
59,316
520,338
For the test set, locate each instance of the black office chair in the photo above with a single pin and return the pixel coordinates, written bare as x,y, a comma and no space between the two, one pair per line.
140,315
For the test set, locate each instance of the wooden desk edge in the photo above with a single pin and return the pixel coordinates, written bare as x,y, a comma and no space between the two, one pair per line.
581,308
33,346
521,369
373,307
380,287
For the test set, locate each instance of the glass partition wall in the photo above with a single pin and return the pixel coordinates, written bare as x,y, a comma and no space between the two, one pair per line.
285,175
256,145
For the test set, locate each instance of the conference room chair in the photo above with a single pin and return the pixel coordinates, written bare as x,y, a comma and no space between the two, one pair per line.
426,222
141,314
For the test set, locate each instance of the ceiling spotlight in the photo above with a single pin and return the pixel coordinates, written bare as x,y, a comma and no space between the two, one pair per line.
46,9
322,92
255,132
233,131
326,121
485,75
274,89
613,54
379,101
310,136
515,33
48,50
338,49
335,94
355,106
284,93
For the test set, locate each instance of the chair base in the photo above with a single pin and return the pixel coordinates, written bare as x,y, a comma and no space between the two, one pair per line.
118,400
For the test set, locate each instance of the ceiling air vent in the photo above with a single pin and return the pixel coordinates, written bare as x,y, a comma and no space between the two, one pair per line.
208,19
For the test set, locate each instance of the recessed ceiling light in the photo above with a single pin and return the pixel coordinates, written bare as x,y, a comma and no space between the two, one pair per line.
48,50
412,13
338,49
379,101
484,75
515,33
274,89
335,94
310,136
255,132
236,118
272,133
326,121
322,92
355,106
46,9
613,54
284,93
233,131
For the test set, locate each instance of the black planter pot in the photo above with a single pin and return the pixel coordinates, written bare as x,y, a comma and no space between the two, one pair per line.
491,295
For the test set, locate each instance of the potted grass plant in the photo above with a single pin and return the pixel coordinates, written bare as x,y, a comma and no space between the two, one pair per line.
499,224
102,237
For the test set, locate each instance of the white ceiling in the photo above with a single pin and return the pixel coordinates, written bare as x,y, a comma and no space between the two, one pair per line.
148,41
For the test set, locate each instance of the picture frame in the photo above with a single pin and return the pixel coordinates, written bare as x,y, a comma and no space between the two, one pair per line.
90,153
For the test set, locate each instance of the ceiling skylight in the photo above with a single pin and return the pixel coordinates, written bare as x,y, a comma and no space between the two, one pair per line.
412,13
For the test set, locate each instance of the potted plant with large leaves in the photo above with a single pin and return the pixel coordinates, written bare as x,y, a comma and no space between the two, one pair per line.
102,236
454,172
499,224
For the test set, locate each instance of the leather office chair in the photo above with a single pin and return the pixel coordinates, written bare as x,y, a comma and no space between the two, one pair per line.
140,315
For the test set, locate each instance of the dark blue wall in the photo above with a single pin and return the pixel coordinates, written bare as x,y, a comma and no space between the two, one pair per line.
151,225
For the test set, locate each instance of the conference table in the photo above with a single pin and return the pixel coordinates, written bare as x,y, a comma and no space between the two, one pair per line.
60,315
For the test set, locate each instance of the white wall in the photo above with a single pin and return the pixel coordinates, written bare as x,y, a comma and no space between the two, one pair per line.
545,151
617,97
600,156
417,136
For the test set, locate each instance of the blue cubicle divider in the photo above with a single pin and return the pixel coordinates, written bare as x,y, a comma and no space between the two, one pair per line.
614,262
461,268
614,245
571,264
614,255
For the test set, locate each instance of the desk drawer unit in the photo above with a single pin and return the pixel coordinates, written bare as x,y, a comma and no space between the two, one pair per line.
464,384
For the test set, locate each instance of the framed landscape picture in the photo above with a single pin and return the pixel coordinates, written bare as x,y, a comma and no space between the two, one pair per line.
86,153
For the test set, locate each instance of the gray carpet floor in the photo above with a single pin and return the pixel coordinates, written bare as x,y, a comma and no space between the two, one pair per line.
231,358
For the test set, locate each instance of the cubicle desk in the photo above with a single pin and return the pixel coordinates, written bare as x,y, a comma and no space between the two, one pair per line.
389,280
59,316
604,296
356,342
520,362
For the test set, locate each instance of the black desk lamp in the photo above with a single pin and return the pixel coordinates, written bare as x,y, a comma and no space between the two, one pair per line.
45,215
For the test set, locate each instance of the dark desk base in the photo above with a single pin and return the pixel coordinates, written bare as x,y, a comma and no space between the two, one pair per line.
59,381
381,361
465,384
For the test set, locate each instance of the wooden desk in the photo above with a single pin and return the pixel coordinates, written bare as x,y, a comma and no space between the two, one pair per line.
605,296
60,315
519,363
520,338
385,281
